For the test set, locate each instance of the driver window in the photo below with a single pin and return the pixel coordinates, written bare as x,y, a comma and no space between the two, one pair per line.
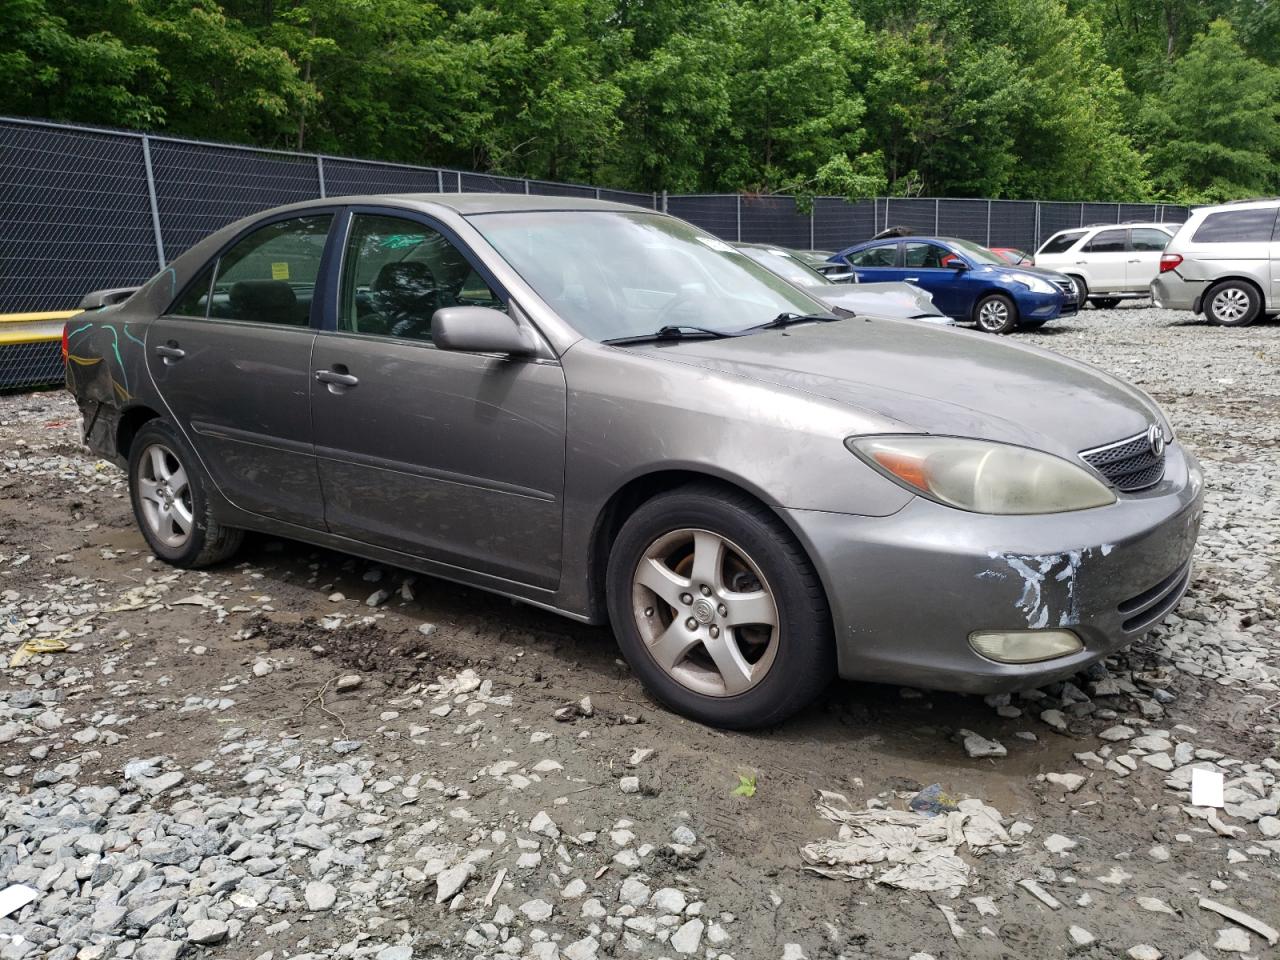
397,273
925,256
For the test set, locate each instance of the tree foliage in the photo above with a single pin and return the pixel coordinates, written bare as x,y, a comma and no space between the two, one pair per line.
1055,99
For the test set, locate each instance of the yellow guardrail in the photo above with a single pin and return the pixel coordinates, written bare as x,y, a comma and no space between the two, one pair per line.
33,327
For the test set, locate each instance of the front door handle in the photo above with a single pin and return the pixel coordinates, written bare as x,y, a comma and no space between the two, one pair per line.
338,379
170,351
912,279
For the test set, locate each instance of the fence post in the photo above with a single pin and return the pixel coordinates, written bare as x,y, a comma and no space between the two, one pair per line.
439,181
1082,214
937,222
988,243
597,193
151,197
664,201
459,172
813,206
1037,238
738,208
320,174
526,188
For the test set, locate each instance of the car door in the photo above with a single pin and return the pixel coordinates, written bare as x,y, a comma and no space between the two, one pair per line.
232,360
877,263
1145,247
925,266
1104,259
454,457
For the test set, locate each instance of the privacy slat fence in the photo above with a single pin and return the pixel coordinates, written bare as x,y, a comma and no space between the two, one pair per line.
83,208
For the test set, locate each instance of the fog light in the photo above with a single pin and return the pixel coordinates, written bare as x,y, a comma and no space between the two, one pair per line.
1024,646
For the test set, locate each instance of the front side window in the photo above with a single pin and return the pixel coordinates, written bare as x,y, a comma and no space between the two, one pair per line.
194,302
1107,241
1062,242
1147,239
882,256
1237,226
397,273
925,256
613,275
270,275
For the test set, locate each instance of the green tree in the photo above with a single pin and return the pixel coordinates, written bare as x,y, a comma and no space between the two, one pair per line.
1213,128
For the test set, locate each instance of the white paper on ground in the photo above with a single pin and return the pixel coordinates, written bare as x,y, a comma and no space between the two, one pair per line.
14,898
1206,788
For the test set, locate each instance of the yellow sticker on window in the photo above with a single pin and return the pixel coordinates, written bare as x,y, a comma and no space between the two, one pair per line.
280,271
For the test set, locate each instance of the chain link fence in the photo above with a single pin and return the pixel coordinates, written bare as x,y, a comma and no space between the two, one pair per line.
86,208
832,223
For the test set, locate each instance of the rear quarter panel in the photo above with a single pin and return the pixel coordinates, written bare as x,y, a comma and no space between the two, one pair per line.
107,373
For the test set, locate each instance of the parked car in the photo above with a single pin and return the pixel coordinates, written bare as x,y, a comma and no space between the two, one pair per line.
607,412
1107,262
901,300
969,283
1012,256
820,260
1224,262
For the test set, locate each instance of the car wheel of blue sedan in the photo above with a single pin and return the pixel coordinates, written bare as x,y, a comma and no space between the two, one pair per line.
996,313
718,610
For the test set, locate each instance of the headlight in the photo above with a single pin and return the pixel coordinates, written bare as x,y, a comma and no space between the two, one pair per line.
982,476
1036,284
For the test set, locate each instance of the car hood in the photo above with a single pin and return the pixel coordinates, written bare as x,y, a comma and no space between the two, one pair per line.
936,379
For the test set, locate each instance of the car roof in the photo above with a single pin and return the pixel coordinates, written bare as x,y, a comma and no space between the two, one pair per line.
470,204
1261,203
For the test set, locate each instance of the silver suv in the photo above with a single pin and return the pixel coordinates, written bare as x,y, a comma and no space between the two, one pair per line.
1107,262
1224,263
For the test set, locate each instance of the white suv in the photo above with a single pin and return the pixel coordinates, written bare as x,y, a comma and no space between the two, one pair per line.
1225,263
1107,262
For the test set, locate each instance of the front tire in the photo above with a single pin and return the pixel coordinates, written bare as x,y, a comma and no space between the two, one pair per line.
1082,289
996,313
170,502
718,610
1232,304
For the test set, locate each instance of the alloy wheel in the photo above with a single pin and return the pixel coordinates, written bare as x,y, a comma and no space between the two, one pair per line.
1231,305
164,493
993,315
705,612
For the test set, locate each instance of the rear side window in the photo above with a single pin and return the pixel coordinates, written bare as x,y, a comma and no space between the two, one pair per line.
1062,242
1237,226
875,256
1107,241
1147,238
270,275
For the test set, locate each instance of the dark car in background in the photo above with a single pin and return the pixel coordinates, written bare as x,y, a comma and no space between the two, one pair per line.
968,282
903,301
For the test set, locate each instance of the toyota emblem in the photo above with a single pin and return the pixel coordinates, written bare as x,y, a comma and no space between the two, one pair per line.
1155,440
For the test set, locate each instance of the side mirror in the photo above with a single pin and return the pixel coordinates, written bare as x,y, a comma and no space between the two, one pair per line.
479,330
958,265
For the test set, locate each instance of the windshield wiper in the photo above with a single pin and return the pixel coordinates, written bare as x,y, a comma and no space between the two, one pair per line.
786,319
674,331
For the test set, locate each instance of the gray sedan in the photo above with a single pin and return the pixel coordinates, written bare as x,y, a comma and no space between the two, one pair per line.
903,301
608,413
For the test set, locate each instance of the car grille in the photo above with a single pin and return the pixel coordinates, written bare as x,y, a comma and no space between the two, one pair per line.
1067,287
1128,464
1151,605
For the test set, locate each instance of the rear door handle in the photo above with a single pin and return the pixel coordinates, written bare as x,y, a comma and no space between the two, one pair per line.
170,351
337,377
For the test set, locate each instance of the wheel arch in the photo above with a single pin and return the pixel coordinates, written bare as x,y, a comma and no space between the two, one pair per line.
642,488
131,421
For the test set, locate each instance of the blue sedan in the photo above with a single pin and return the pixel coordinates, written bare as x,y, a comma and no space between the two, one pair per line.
969,283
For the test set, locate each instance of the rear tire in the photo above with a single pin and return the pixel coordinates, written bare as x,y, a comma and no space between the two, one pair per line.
995,313
1232,303
1082,289
1105,303
170,503
718,610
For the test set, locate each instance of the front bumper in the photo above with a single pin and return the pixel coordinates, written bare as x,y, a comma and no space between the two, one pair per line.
907,590
1169,291
1046,306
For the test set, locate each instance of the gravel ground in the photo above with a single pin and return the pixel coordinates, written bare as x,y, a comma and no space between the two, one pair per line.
303,755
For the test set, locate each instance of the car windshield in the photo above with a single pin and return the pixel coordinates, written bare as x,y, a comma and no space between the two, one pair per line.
976,253
784,265
614,274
